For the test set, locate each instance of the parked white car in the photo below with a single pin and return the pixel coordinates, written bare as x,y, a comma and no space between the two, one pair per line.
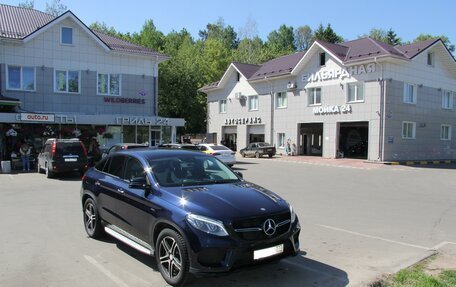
219,151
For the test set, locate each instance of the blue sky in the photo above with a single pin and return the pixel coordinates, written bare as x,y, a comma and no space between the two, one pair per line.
348,18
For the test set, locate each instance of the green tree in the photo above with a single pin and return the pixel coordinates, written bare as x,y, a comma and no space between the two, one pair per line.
30,4
103,27
281,42
221,32
327,34
149,37
56,8
392,39
445,40
303,38
249,51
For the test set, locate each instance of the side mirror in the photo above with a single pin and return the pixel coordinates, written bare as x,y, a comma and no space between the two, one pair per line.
138,183
239,174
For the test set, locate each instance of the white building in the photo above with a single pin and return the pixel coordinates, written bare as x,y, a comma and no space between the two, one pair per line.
362,98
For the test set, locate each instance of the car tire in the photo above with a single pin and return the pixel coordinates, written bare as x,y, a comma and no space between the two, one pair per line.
257,155
49,174
270,155
172,257
92,221
243,154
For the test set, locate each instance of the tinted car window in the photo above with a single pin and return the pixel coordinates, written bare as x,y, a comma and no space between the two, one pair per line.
100,165
106,166
67,148
116,167
134,169
203,148
219,147
193,169
190,147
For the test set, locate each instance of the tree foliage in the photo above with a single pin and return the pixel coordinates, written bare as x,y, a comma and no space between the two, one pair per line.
30,4
327,34
381,35
281,42
303,38
56,8
445,40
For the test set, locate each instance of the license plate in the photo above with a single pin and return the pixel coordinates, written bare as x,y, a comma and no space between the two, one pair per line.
267,252
71,159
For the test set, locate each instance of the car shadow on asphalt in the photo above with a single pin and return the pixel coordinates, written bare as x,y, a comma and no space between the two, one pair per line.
291,271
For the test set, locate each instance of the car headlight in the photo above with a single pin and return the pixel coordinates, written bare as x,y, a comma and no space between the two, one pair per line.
293,214
208,225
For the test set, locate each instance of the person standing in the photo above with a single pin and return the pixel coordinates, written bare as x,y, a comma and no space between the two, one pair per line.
25,156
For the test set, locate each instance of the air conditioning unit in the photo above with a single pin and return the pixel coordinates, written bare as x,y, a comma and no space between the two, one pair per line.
291,86
238,96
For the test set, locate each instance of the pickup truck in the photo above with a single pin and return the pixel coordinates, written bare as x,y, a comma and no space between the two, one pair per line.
258,149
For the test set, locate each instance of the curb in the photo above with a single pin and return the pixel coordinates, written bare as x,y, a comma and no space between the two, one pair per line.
420,162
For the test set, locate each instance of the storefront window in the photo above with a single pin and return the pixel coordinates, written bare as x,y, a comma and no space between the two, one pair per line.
166,134
67,81
253,103
21,78
314,96
109,84
142,134
281,100
129,134
355,92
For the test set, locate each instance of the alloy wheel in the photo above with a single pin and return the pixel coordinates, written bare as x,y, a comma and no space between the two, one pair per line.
170,257
90,218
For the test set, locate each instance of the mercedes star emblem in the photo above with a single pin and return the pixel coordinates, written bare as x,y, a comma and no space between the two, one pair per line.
269,227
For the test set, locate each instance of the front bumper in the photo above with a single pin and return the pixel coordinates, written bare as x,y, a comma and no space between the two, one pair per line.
210,254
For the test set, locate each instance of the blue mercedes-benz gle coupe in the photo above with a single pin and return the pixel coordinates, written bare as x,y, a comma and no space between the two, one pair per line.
187,209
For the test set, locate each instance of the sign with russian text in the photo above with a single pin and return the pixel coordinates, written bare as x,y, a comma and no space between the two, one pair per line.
28,117
330,110
243,121
340,73
141,121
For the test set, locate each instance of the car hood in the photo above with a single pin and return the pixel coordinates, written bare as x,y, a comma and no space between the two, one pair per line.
226,201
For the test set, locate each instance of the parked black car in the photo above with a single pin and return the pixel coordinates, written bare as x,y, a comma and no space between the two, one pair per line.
189,210
123,146
258,149
62,155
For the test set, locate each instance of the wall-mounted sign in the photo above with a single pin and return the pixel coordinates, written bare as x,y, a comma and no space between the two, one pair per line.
116,100
329,110
37,117
243,121
142,121
340,73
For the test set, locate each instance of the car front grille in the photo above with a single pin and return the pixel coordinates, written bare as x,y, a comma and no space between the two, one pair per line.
252,229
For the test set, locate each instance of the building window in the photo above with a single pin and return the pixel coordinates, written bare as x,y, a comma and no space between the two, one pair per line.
409,93
430,59
281,100
447,100
355,92
66,81
408,130
238,77
67,36
281,140
314,96
322,59
109,84
445,132
253,103
222,106
21,78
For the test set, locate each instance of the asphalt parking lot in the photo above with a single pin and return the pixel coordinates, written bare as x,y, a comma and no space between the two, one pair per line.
357,224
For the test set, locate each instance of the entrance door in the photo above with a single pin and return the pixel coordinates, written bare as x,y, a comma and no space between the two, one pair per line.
154,137
230,141
353,139
311,139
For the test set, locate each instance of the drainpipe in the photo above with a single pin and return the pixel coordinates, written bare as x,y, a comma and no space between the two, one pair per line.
156,86
381,133
271,93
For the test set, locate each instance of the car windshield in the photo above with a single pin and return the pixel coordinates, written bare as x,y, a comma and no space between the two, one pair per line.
263,144
190,169
219,147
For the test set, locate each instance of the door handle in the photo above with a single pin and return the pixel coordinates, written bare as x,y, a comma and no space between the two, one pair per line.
97,183
120,190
